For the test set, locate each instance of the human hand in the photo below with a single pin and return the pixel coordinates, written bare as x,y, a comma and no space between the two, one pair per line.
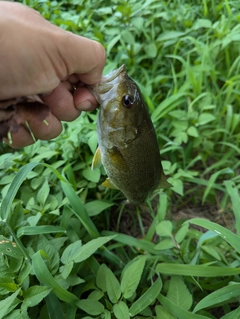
38,58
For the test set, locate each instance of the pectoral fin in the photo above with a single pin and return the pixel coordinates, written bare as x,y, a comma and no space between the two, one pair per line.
97,159
109,184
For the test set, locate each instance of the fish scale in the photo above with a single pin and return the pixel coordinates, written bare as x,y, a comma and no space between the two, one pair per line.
128,147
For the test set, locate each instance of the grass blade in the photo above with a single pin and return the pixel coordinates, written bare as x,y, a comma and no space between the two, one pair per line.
14,187
234,195
44,276
131,241
38,230
79,209
6,303
212,180
221,295
54,307
226,234
233,314
147,298
167,105
178,311
196,270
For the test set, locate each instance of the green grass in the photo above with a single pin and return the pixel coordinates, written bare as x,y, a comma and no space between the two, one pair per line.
72,249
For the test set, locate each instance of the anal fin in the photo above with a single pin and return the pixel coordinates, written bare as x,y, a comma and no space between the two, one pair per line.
109,184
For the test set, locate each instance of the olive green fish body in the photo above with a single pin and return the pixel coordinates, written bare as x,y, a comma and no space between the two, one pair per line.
126,136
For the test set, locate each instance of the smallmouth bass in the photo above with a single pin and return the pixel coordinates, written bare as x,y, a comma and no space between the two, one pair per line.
128,147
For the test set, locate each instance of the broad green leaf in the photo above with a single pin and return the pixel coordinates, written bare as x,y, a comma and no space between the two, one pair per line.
169,35
131,276
10,248
112,285
202,23
89,248
164,228
147,298
192,131
8,286
121,310
70,252
14,187
92,142
223,232
90,175
178,293
79,209
177,185
211,250
181,233
24,272
178,311
107,314
138,22
102,277
66,269
196,270
34,295
165,244
128,37
44,155
44,276
151,50
95,207
92,307
107,281
33,220
96,295
219,296
162,313
18,314
7,303
38,230
43,193
51,253
205,118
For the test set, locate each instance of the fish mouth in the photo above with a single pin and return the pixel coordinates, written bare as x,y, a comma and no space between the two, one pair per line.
112,75
107,82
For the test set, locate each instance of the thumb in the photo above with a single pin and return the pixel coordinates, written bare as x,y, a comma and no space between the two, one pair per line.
84,57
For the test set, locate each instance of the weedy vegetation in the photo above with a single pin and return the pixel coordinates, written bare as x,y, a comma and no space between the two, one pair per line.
72,249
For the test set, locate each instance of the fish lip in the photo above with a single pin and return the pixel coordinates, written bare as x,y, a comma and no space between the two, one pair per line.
113,74
107,82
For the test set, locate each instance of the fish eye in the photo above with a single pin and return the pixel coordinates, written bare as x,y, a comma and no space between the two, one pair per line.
127,101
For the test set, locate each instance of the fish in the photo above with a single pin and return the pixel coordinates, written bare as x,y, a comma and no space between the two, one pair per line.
127,143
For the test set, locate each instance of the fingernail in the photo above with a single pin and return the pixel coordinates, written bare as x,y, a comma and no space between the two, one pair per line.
85,106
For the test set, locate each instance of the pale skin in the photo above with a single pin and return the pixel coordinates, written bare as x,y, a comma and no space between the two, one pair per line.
37,57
